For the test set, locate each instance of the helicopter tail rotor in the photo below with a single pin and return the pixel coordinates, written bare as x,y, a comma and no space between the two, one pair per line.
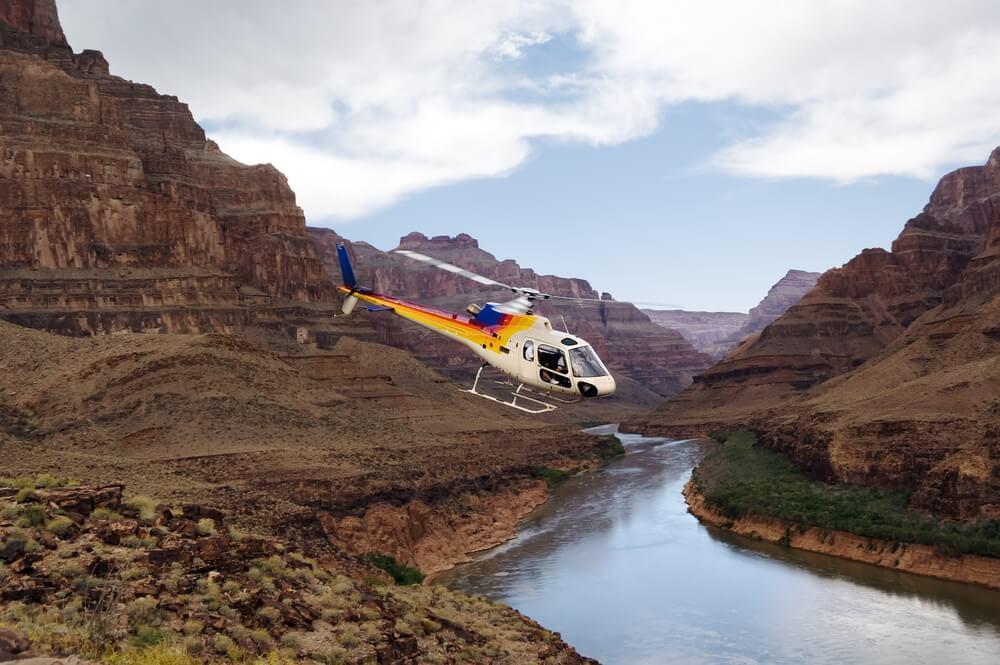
350,281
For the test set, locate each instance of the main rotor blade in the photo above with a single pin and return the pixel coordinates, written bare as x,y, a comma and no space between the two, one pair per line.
454,269
627,302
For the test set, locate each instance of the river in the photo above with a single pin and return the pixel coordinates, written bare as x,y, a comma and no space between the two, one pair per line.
616,564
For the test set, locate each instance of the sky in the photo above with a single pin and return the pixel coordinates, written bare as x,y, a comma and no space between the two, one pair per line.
682,152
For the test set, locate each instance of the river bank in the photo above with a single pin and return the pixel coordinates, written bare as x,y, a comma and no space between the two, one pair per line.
616,563
908,557
758,493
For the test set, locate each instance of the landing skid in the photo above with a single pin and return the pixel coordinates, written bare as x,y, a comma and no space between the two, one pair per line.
541,406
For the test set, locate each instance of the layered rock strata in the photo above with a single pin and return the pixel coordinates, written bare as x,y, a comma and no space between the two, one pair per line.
117,213
717,333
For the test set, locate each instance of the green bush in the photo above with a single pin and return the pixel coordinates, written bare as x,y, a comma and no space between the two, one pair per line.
146,636
550,475
401,573
33,515
145,506
742,478
16,543
60,526
105,514
206,526
609,447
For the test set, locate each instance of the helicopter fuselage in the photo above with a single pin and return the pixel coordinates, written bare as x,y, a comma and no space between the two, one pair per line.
525,347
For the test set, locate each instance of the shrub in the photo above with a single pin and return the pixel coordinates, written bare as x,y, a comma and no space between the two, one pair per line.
401,573
430,626
145,506
161,654
609,447
33,515
146,636
105,514
16,543
11,511
206,526
48,480
262,639
61,526
349,635
269,614
550,475
224,644
332,656
142,611
25,494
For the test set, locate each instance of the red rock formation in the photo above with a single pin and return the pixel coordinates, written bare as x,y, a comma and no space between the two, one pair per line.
658,359
887,372
117,213
786,292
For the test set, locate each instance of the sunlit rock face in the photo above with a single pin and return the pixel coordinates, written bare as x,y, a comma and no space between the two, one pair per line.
887,372
661,361
117,213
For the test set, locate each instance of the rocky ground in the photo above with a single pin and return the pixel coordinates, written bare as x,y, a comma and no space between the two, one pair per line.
92,572
268,438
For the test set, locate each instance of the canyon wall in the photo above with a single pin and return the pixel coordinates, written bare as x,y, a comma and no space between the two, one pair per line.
887,373
717,333
709,332
117,213
658,362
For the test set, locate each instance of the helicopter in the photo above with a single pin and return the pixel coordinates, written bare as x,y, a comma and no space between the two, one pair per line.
552,365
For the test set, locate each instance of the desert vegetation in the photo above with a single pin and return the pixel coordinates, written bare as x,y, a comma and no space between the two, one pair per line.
741,478
132,581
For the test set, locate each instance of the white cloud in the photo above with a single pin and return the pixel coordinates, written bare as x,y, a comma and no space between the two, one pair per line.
363,103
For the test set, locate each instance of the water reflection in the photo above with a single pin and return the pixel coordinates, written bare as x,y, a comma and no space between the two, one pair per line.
617,565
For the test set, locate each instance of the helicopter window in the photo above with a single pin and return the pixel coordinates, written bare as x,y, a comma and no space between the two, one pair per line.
568,341
586,363
529,351
552,358
555,379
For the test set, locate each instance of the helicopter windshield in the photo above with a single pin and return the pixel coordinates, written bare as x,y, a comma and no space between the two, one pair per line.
586,363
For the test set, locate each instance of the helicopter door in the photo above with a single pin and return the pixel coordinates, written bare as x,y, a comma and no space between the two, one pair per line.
553,368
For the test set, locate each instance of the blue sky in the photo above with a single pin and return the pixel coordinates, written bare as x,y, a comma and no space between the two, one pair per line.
683,152
647,220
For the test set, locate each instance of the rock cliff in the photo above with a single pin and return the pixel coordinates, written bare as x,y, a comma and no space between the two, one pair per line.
716,333
708,332
659,362
117,213
887,372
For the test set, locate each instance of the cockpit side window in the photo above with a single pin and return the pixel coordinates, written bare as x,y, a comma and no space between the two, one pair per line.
529,351
552,358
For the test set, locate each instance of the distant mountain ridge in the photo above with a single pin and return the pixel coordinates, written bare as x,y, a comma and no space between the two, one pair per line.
717,333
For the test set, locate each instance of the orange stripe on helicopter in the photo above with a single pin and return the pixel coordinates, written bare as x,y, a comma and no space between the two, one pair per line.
454,325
